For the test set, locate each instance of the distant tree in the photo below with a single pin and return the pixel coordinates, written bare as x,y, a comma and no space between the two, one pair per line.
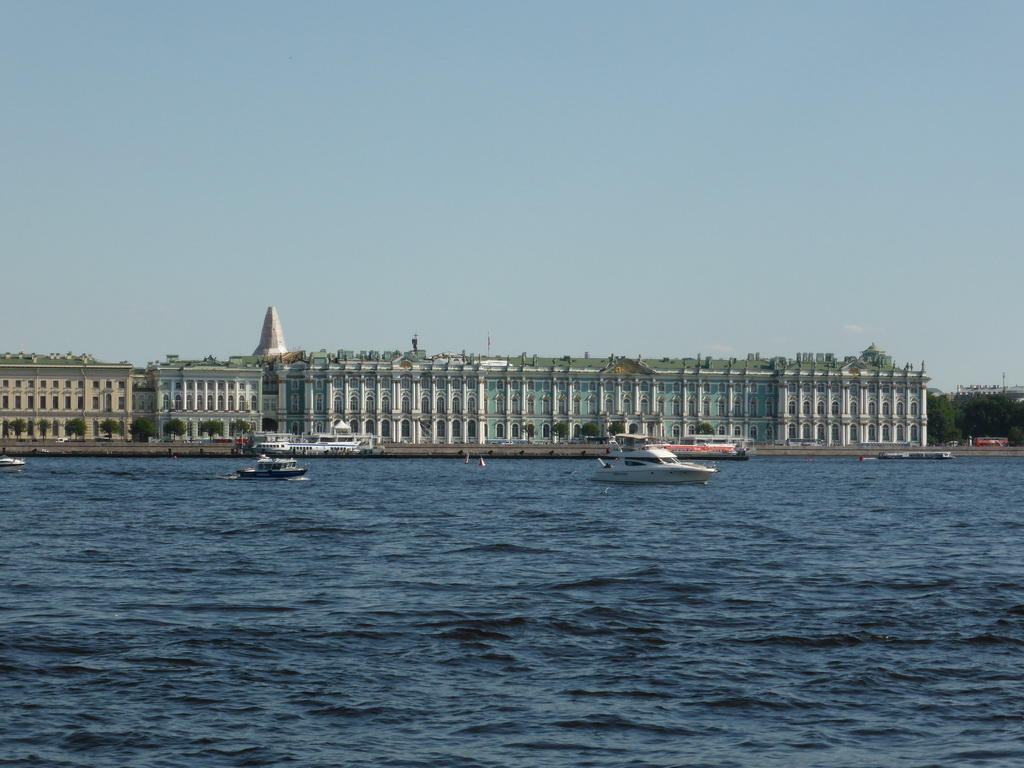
240,427
942,420
1016,436
75,428
176,428
142,429
560,429
43,426
211,427
531,429
616,428
590,429
704,428
986,415
18,426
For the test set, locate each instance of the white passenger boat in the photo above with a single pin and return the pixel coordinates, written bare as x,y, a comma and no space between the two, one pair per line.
11,464
267,468
338,442
638,462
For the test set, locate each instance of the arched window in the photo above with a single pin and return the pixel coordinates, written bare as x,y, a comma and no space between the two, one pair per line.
821,408
471,430
737,407
515,431
499,430
706,406
456,404
441,405
471,403
577,432
385,403
885,433
645,406
769,408
792,431
854,409
167,402
441,428
456,430
871,408
627,405
609,405
371,405
753,431
853,434
425,404
531,405
577,406
385,429
371,427
885,408
353,403
872,434
805,432
835,407
899,408
913,408
406,404
720,406
499,406
792,407
821,432
319,403
516,407
752,406
188,401
339,404
807,408
354,426
835,434
914,434
676,432
899,433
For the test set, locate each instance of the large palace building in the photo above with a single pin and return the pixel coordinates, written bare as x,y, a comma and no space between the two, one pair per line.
415,397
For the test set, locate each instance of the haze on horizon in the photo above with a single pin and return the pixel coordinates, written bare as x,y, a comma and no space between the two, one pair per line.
645,179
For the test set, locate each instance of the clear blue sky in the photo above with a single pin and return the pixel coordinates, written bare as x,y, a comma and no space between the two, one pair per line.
636,178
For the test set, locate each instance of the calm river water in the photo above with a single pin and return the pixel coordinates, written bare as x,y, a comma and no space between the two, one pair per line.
418,612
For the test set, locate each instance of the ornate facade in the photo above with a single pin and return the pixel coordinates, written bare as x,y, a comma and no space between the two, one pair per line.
410,397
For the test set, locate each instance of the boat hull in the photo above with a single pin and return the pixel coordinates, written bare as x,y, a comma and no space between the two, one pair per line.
666,475
253,474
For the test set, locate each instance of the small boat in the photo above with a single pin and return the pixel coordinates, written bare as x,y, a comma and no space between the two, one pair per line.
11,464
640,463
272,469
916,455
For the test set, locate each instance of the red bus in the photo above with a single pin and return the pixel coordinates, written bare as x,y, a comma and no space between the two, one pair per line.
1002,442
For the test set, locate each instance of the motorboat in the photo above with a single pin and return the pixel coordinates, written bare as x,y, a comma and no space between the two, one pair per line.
643,463
267,468
11,464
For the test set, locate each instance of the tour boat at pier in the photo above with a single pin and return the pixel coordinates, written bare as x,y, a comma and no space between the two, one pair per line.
638,461
11,464
267,468
338,442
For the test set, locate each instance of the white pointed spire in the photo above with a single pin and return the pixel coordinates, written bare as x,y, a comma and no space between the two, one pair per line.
272,338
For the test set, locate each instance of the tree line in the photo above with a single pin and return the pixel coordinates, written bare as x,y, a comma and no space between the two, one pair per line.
981,416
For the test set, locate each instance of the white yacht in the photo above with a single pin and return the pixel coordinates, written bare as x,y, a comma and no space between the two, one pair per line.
638,462
11,464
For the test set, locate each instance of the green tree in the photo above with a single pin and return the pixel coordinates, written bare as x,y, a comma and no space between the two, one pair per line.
75,428
616,428
560,429
590,429
18,426
176,428
211,427
704,428
43,425
942,420
240,427
111,427
531,429
142,429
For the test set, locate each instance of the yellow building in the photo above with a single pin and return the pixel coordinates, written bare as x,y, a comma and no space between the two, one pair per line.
41,394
